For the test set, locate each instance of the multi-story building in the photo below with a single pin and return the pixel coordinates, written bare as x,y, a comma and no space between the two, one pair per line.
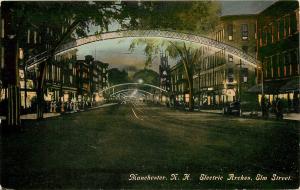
278,51
103,77
82,80
179,85
59,82
220,77
238,31
99,79
92,77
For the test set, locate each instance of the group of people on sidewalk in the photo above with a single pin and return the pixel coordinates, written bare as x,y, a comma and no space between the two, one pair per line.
55,106
275,107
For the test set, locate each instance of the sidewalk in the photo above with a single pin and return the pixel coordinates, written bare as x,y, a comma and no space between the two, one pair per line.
286,116
33,116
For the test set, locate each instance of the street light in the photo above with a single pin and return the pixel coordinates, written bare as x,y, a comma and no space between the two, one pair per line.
140,81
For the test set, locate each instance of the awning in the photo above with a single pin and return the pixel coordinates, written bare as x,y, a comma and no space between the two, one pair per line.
275,87
292,85
272,87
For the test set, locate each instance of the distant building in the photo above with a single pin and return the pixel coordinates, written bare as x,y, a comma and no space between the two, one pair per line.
92,78
179,85
278,50
164,73
100,78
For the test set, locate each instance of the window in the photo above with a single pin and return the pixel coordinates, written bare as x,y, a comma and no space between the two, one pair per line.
273,64
244,75
244,31
278,30
272,32
281,28
265,36
286,26
230,58
294,23
266,66
294,62
230,31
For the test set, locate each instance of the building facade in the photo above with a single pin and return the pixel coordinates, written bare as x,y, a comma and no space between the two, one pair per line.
238,31
278,51
179,95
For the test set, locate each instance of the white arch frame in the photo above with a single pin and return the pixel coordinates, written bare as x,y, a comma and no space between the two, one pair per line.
132,83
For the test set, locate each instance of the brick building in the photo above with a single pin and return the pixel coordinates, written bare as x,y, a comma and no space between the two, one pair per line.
278,50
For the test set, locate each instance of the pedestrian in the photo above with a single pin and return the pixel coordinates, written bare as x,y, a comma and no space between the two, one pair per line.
279,109
263,106
268,106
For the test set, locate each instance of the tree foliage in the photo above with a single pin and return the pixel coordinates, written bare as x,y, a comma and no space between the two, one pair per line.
148,76
196,16
117,77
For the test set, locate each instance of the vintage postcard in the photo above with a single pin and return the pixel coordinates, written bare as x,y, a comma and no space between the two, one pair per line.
149,94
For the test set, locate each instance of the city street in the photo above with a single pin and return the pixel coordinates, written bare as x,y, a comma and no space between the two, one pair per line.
102,147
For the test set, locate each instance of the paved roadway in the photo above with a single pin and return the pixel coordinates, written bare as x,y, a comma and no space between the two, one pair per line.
102,147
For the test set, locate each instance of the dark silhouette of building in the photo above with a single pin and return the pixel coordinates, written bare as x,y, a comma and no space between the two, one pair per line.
278,51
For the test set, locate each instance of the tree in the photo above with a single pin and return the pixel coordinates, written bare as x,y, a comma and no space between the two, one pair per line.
189,58
187,53
146,76
53,23
117,77
191,16
57,22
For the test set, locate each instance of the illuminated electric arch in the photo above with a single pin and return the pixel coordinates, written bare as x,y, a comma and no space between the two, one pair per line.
132,83
173,35
130,89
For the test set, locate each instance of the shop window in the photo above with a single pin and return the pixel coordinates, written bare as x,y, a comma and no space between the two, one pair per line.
244,31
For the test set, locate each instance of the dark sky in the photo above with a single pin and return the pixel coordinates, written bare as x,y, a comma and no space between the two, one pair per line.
244,7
